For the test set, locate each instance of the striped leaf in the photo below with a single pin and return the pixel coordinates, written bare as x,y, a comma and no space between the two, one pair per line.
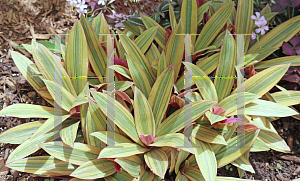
172,162
96,54
69,134
95,121
134,29
67,99
36,165
181,158
193,174
274,141
160,36
122,176
153,54
77,155
208,135
50,124
93,169
175,122
208,65
123,118
264,52
249,58
29,111
243,22
139,76
205,85
162,64
189,17
135,21
281,33
243,163
201,10
144,40
102,135
143,116
19,134
175,140
146,174
30,146
175,48
157,161
206,159
101,27
225,68
131,164
122,150
258,146
50,65
160,94
213,118
172,17
77,57
262,82
287,100
181,177
293,60
137,55
61,167
229,103
213,26
229,153
266,108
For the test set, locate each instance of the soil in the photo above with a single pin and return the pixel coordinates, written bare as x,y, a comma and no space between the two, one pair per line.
22,20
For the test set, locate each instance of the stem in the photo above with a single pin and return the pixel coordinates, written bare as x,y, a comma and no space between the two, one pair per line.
289,12
258,42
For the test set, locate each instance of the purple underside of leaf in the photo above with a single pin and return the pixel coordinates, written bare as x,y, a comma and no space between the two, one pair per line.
231,120
121,62
295,41
291,78
288,3
218,110
288,49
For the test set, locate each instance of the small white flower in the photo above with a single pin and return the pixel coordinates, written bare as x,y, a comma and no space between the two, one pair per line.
72,2
261,27
101,2
81,7
257,18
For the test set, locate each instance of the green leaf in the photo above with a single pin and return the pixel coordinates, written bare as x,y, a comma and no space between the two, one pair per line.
157,161
131,164
189,17
144,40
122,150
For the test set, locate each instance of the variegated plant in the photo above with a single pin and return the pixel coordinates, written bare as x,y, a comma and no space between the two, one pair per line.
150,140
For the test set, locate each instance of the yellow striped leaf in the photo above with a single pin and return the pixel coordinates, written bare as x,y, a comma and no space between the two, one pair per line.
181,177
181,157
175,48
123,118
36,165
131,164
172,162
21,133
264,52
193,174
243,163
175,140
281,33
96,54
157,161
160,94
144,40
77,57
77,155
189,17
258,146
274,141
162,64
208,135
288,100
206,159
203,82
249,58
229,103
30,146
146,174
160,36
93,169
175,122
229,153
137,55
101,27
213,118
225,68
262,82
243,22
49,124
266,108
201,10
122,176
102,135
29,111
152,54
122,150
69,134
61,167
50,65
213,26
172,17
293,60
67,99
134,29
143,116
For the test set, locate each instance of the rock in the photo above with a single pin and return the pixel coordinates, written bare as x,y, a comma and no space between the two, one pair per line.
15,69
290,141
14,173
297,171
31,95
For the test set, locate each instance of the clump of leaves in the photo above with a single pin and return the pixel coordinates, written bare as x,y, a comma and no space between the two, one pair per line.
149,140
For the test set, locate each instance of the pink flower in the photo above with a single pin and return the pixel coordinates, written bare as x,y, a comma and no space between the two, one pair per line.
253,36
258,19
261,27
81,7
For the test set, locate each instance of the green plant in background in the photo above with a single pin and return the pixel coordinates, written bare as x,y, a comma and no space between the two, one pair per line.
150,139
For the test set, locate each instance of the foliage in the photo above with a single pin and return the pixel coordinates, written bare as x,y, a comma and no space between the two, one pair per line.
154,138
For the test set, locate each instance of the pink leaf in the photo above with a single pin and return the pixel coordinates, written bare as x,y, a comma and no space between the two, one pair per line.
231,120
218,110
147,140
